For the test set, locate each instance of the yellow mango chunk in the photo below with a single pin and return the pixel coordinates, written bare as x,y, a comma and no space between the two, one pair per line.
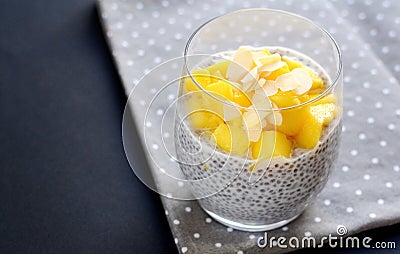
204,102
241,98
277,73
216,77
204,120
232,139
324,113
292,64
220,67
310,133
202,77
200,112
317,91
285,99
272,143
304,97
330,98
316,80
222,89
292,121
266,51
195,101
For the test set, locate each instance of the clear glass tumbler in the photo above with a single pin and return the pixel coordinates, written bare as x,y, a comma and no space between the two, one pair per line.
258,178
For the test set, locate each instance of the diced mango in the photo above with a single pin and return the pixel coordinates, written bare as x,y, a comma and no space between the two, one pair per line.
317,91
201,114
293,64
241,98
195,101
277,73
232,139
324,113
272,143
202,77
292,121
204,102
204,120
317,82
310,133
304,97
222,89
217,76
222,67
330,98
266,51
285,99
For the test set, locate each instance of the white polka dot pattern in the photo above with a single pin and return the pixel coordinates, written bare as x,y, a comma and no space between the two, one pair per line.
145,34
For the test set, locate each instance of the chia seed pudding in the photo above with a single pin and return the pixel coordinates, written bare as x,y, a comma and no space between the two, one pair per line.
280,189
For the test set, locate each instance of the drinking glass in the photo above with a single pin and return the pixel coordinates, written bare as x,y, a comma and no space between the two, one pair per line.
238,190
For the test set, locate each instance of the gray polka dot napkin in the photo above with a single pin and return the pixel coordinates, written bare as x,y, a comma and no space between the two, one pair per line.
363,191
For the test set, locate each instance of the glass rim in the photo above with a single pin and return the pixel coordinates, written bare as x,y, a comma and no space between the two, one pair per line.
327,91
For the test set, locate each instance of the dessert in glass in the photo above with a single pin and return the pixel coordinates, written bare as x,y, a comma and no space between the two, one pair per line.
259,114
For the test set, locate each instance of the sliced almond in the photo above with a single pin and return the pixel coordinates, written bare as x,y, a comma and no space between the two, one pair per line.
263,123
258,55
275,118
240,65
251,119
231,112
269,87
305,80
270,59
265,73
249,81
253,125
251,76
259,84
254,133
261,104
298,80
271,66
287,82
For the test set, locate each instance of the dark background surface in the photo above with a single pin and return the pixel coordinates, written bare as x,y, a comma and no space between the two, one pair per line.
65,185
